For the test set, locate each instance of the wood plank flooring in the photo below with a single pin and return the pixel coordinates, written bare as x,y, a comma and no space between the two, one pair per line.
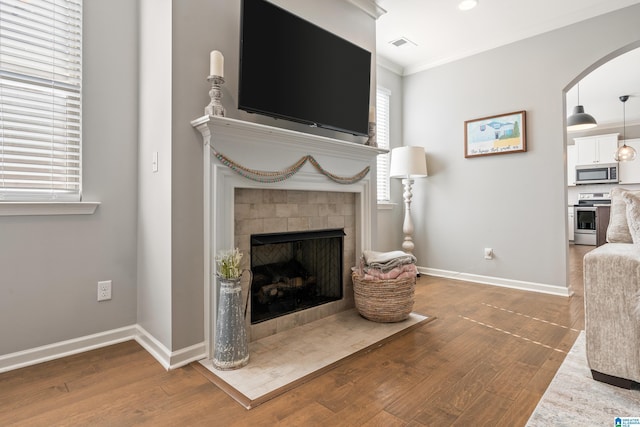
486,360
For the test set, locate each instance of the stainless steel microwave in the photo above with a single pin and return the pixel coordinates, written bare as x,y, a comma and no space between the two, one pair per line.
605,173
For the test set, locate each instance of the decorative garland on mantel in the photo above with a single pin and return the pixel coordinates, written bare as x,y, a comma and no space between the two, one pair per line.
277,176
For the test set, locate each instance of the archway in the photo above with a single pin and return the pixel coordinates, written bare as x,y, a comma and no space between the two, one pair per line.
600,87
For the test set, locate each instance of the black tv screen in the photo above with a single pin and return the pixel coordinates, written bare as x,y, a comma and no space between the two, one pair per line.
293,69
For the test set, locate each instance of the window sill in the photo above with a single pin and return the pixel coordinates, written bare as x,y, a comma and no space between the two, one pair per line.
384,206
47,208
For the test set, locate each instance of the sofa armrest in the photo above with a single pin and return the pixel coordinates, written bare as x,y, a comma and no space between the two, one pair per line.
612,312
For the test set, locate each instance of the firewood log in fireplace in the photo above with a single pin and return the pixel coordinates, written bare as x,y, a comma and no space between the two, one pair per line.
285,288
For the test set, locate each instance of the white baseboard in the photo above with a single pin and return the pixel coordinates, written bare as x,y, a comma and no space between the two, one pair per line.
169,360
497,281
45,353
187,355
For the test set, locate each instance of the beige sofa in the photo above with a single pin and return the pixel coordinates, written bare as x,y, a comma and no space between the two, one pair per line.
612,296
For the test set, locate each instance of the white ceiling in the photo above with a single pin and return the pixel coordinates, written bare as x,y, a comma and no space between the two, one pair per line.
442,34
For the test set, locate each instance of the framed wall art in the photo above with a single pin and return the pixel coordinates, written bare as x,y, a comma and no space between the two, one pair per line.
502,134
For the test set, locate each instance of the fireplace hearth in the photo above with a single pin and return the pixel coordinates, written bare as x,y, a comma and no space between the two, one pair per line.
295,271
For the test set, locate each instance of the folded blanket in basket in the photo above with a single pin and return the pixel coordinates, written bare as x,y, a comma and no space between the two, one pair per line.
386,261
401,272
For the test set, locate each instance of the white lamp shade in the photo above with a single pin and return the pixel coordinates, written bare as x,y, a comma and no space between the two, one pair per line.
408,162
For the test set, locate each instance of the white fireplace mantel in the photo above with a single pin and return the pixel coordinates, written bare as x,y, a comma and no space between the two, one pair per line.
267,148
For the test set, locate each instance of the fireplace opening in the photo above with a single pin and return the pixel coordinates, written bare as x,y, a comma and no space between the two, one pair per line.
294,271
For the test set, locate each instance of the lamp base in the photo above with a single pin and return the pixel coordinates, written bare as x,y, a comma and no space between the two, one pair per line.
407,227
408,245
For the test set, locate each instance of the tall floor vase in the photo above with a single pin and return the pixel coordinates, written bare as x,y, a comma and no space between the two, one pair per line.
231,345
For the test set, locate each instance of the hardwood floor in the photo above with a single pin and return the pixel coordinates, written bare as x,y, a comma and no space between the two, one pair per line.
486,360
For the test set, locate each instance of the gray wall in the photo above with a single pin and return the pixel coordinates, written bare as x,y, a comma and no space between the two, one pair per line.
50,265
513,203
632,131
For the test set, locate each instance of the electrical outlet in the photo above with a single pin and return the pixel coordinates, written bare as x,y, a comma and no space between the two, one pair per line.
104,290
488,253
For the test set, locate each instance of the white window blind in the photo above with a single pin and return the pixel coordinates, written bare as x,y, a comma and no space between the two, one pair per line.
382,134
40,99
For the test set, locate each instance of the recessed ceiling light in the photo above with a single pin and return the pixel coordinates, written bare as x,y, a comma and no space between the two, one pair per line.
467,4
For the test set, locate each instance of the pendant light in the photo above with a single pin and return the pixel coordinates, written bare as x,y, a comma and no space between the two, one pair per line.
624,153
580,120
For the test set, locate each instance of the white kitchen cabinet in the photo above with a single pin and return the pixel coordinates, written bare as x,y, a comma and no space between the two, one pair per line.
630,171
571,165
596,149
570,224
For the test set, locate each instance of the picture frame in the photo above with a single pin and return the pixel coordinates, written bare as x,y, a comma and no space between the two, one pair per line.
500,134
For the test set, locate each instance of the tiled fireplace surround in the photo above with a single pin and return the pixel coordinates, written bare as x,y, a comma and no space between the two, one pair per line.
236,207
260,211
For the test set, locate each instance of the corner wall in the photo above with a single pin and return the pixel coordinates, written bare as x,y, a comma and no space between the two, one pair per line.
513,203
154,188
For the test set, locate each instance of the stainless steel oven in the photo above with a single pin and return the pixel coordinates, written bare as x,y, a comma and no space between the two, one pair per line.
584,225
585,217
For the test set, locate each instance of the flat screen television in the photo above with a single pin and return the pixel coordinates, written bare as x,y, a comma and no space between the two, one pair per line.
295,70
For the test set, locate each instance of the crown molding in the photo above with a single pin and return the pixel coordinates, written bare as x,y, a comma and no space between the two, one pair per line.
389,65
370,7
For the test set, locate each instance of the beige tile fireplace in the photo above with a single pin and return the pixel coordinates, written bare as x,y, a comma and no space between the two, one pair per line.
236,207
275,211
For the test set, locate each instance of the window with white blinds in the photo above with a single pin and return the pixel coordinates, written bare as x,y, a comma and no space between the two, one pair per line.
382,134
40,99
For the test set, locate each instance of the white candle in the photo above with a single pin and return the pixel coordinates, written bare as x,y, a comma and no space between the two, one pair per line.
372,115
216,64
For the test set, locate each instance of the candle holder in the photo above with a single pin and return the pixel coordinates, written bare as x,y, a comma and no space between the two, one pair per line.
372,141
215,107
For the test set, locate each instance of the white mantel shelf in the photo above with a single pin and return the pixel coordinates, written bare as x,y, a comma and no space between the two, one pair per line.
287,136
268,148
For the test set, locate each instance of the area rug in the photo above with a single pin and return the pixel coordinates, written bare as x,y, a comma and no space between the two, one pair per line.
280,362
574,399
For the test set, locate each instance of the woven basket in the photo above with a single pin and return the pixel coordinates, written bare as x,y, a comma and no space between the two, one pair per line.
384,300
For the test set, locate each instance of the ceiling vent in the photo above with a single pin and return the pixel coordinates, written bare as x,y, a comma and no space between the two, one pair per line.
402,42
